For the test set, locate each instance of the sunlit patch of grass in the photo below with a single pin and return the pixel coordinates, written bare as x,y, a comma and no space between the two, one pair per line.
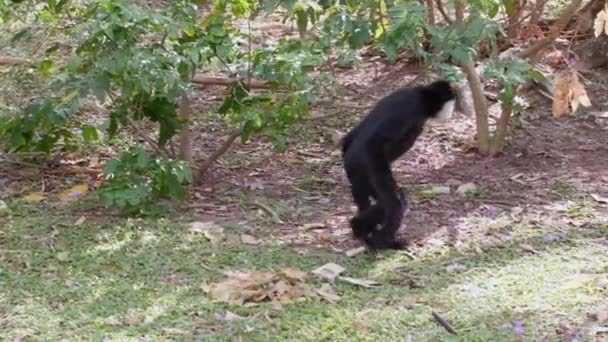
147,285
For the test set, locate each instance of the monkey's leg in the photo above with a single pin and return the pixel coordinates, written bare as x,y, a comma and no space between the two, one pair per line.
361,191
391,200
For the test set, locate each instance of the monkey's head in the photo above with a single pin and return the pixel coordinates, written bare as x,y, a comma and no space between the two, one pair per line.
442,96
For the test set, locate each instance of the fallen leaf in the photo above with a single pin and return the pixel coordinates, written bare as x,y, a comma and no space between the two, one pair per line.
132,320
361,282
112,320
600,25
599,198
34,197
74,193
213,232
317,225
561,94
329,271
579,280
249,240
456,267
4,209
355,251
360,326
80,221
577,94
63,256
293,275
251,288
327,292
229,317
528,248
466,188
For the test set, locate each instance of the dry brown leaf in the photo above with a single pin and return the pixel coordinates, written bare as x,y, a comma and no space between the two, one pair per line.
361,282
74,193
329,271
561,94
213,232
577,94
34,197
327,292
528,248
132,320
360,326
250,288
293,275
600,25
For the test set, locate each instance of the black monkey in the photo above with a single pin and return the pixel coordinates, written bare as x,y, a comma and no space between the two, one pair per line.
368,150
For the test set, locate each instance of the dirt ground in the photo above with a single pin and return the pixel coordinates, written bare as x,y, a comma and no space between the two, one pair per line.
307,196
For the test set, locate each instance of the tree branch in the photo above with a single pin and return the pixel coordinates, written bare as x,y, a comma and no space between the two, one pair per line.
554,31
445,16
198,78
218,153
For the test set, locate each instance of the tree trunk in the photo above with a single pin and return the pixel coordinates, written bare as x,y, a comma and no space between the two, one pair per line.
481,108
500,133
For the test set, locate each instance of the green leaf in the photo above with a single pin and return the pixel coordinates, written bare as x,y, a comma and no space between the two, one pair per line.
100,85
301,20
509,6
89,134
46,67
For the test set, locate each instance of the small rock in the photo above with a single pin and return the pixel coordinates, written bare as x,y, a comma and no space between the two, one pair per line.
466,188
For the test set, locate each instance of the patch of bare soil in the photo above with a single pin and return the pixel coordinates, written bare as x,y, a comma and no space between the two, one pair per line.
305,196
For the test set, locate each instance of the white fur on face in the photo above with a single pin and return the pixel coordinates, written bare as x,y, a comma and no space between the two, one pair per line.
446,111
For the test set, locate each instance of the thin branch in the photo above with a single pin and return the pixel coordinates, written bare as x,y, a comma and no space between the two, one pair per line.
445,16
444,323
8,60
554,32
218,153
198,78
501,127
223,81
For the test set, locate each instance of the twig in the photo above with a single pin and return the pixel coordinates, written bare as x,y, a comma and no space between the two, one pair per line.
159,149
8,60
444,323
272,213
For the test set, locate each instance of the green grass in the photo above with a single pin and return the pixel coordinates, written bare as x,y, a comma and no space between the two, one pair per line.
62,281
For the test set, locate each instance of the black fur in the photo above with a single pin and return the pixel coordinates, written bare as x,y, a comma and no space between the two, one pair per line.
368,150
